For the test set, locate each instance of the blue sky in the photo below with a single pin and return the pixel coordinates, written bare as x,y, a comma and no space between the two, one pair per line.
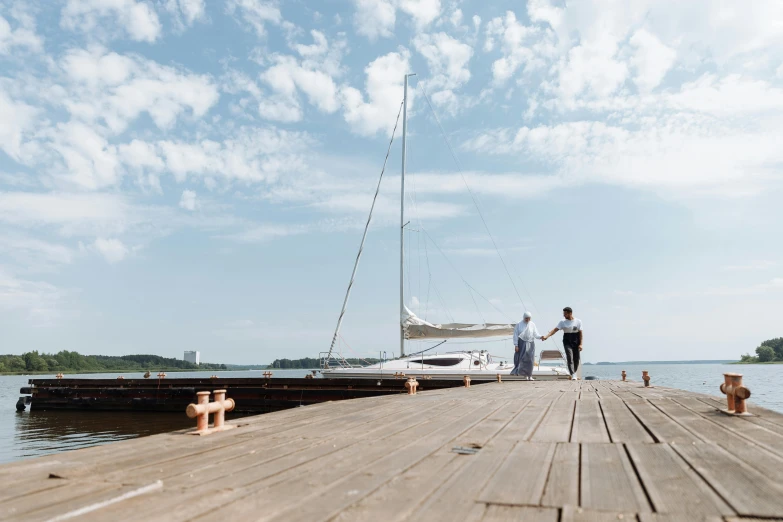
178,174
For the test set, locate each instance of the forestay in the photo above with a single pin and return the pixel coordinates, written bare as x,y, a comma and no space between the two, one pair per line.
417,328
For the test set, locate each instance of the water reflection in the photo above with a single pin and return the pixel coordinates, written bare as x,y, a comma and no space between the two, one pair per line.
42,432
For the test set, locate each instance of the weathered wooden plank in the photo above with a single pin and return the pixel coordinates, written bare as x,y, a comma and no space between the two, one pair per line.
680,517
589,425
556,425
521,478
199,489
663,428
577,514
495,513
251,449
46,504
623,426
671,485
753,444
608,482
742,487
356,474
562,487
449,501
398,497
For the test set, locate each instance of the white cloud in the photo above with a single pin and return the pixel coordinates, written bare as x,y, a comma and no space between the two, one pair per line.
288,76
505,185
591,69
16,123
38,301
186,12
517,43
262,233
88,160
730,96
138,18
384,95
188,200
113,250
448,60
251,156
423,12
588,50
22,37
774,284
70,214
256,13
751,266
682,156
33,254
376,18
313,73
652,59
116,89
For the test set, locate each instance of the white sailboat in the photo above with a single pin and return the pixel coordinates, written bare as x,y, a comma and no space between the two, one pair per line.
449,365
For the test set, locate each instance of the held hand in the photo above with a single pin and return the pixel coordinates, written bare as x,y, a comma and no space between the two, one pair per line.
543,337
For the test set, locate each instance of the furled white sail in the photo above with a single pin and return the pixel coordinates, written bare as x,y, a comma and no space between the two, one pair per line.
416,328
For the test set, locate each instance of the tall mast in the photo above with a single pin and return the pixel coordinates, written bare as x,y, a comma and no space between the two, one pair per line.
402,215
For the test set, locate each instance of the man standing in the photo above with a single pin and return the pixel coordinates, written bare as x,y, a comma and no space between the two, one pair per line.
572,339
525,335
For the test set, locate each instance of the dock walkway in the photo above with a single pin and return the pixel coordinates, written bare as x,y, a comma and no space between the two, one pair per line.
534,451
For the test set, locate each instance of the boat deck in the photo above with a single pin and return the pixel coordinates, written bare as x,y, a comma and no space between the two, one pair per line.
534,451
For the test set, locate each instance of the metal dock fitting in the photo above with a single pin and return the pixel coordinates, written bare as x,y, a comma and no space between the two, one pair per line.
202,410
736,393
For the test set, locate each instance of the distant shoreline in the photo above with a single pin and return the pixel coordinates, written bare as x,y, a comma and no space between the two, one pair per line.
120,372
719,361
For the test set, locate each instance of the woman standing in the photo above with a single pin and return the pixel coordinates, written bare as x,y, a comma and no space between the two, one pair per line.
525,335
572,339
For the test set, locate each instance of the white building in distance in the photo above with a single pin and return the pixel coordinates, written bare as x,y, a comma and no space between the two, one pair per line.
192,357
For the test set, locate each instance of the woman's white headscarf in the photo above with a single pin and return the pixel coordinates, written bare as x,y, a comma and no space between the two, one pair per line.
527,315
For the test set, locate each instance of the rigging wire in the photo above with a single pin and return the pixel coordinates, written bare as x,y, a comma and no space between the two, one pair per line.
442,303
364,237
430,348
472,196
470,287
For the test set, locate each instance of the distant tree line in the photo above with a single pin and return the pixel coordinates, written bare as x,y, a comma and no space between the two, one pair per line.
769,351
76,362
308,363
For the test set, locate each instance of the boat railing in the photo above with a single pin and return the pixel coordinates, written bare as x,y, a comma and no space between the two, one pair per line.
333,361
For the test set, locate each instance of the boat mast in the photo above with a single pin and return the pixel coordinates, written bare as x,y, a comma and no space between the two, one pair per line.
402,215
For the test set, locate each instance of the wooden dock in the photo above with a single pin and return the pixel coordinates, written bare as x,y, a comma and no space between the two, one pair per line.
533,451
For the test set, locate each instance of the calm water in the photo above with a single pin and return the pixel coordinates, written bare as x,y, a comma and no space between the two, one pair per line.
29,434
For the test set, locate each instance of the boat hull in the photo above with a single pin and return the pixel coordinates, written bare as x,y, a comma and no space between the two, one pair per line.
374,373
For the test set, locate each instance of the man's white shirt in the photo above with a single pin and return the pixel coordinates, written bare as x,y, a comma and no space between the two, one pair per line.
570,326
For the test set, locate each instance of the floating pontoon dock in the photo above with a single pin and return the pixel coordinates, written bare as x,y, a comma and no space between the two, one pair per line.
534,451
